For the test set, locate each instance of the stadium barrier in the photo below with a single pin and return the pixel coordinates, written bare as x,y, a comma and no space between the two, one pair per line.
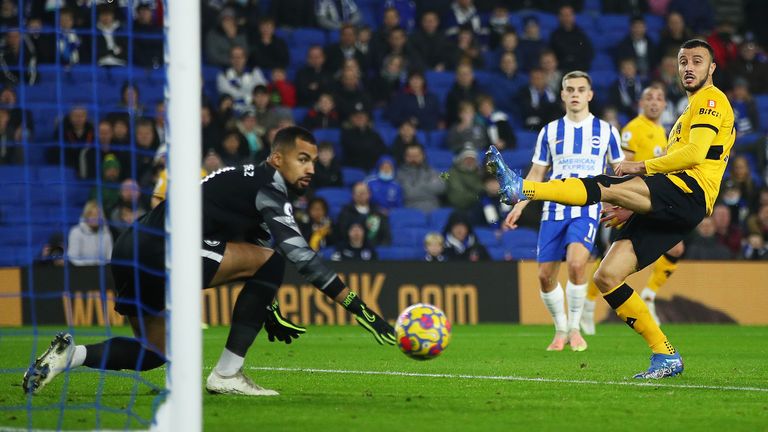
469,293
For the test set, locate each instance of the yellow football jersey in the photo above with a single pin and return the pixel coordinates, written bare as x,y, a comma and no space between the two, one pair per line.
708,109
643,137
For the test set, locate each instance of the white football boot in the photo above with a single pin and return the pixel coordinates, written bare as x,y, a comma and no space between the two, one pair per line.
238,384
54,361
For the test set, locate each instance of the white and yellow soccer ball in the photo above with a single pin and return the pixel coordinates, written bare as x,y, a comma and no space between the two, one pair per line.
422,331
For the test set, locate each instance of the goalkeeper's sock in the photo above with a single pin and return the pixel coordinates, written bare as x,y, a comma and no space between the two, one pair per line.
633,311
250,309
229,363
121,353
553,300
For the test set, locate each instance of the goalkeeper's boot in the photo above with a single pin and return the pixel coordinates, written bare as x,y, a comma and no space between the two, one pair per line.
54,361
510,183
238,384
576,341
558,342
663,366
587,321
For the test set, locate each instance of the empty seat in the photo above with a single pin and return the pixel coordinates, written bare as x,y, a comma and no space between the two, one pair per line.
521,237
441,160
399,253
438,218
488,237
407,218
351,175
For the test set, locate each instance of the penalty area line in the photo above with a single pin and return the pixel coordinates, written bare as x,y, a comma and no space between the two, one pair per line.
510,378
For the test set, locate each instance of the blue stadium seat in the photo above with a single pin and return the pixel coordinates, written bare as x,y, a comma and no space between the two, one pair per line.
307,37
440,160
436,138
334,136
606,40
761,100
298,54
438,218
399,253
336,198
409,237
351,175
603,61
440,83
518,253
654,25
521,237
388,133
594,6
407,218
585,20
602,79
526,139
299,113
518,159
499,253
613,22
764,120
17,174
488,237
285,34
332,36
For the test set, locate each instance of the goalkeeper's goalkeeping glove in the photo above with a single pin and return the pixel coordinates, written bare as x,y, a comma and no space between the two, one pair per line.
369,320
280,328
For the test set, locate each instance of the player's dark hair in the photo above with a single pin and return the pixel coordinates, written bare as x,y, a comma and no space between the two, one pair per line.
696,43
285,139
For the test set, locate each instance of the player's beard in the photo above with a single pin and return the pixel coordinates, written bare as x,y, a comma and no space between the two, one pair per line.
695,87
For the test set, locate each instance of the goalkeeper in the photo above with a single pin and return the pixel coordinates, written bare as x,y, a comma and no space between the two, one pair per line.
243,208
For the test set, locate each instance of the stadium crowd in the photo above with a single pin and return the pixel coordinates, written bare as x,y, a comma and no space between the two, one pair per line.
403,96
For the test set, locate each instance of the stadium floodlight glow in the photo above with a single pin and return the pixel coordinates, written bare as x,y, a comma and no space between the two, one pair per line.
183,409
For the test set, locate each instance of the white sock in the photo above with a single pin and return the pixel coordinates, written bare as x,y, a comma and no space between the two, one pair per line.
553,300
78,357
648,294
576,294
229,363
589,306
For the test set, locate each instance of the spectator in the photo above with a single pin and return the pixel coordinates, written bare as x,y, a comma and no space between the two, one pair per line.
282,92
569,42
379,43
499,26
211,132
489,211
464,183
507,83
9,14
640,47
349,94
391,77
212,162
460,241
107,192
111,49
531,44
741,179
385,190
233,151
293,13
323,115
52,252
548,63
238,82
429,44
251,133
508,43
122,218
538,103
344,49
327,169
463,13
11,56
129,104
468,132
755,248
120,130
497,126
312,79
146,143
220,41
397,44
363,44
406,135
71,47
727,233
703,244
677,100
626,91
268,115
355,246
421,184
334,14
723,42
732,197
698,16
362,146
318,229
129,197
434,247
148,39
744,107
90,242
86,167
360,210
75,130
463,90
674,34
467,50
10,139
268,51
758,223
416,103
751,68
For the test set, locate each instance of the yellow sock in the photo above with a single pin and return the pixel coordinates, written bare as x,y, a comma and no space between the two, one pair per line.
569,191
662,270
592,289
633,311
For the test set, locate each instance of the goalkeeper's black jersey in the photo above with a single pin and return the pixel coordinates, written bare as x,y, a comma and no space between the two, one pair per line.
250,203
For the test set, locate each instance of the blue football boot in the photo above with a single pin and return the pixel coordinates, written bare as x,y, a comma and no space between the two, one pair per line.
662,366
511,183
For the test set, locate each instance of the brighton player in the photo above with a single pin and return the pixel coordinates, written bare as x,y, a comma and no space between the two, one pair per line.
642,138
576,145
667,197
243,207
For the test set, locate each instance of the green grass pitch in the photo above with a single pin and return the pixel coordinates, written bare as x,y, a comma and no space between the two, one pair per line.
491,377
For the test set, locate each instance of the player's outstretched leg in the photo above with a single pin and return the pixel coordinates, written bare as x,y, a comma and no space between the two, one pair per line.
52,362
511,190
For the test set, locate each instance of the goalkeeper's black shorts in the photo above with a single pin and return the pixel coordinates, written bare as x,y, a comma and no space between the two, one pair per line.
145,295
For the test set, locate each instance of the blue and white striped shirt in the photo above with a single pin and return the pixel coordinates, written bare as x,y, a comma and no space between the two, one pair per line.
576,150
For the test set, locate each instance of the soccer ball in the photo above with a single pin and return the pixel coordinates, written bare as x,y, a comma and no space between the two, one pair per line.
423,331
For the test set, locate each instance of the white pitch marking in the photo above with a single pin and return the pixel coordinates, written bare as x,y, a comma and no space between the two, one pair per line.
511,378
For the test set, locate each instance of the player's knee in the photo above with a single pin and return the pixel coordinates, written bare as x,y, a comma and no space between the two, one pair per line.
576,270
271,272
605,279
546,280
677,251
